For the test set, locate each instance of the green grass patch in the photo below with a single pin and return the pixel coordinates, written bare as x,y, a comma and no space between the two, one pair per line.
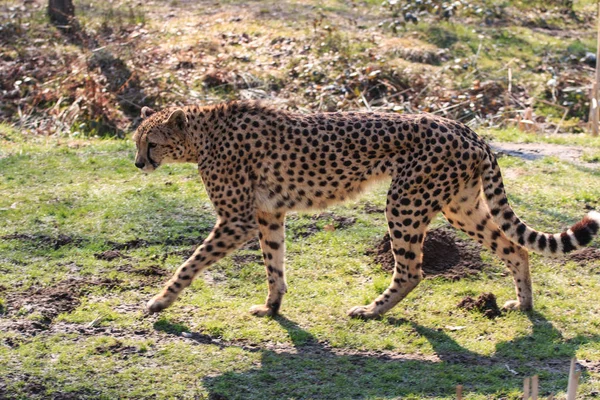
65,203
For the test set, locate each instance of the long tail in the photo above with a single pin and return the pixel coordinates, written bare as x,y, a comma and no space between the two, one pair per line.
574,238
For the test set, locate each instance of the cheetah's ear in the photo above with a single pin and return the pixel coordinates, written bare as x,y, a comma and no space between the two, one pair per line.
178,118
146,112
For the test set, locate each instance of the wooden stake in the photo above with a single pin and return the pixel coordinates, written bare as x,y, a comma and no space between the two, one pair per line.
594,98
459,390
594,110
534,387
573,381
526,388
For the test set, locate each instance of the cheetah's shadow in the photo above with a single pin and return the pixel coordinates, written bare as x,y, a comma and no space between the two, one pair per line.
313,369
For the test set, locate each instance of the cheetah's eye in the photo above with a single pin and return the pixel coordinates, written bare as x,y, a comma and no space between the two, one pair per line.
152,145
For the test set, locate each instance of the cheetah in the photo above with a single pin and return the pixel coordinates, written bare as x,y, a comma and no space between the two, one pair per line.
258,162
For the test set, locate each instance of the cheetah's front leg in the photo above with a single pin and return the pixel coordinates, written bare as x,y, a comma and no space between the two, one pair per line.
224,238
272,243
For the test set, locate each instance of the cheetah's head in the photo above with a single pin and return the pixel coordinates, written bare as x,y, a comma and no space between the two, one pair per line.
160,138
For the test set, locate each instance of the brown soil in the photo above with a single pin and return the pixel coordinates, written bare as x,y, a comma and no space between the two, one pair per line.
371,208
242,259
110,255
149,271
485,304
137,243
585,256
253,244
444,254
316,225
115,247
45,240
47,303
116,347
534,151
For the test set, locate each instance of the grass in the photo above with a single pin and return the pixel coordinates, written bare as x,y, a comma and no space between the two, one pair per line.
71,323
516,135
207,345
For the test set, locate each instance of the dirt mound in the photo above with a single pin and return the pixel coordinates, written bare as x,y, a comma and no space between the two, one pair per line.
43,305
444,254
110,255
48,302
585,256
485,304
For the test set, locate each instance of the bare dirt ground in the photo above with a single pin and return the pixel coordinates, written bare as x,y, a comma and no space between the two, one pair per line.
535,151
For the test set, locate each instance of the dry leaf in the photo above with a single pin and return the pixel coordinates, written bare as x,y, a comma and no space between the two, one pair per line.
329,228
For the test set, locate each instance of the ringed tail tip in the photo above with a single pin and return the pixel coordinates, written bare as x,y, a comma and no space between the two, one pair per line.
585,230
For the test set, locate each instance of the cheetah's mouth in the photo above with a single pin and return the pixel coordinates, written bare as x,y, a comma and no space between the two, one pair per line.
150,160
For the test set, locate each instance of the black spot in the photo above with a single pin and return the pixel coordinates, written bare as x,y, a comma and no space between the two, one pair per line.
273,245
532,237
542,242
552,244
508,214
566,241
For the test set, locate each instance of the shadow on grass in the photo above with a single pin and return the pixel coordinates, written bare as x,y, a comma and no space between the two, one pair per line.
311,369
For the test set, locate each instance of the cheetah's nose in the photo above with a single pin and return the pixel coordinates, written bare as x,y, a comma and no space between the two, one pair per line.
140,165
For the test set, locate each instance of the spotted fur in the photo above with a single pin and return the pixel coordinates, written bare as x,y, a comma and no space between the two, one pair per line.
258,163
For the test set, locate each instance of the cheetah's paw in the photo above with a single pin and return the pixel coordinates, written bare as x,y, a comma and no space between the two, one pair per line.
363,312
515,305
261,310
157,304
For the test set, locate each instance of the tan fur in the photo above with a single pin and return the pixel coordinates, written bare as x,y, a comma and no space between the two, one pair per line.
258,163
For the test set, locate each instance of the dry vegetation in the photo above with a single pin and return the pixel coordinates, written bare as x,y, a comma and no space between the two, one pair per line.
483,62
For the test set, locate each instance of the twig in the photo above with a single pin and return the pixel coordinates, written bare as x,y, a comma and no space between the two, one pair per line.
561,121
443,110
551,104
95,321
512,371
366,103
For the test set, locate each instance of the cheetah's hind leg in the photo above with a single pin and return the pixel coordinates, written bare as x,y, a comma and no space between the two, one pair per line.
471,215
